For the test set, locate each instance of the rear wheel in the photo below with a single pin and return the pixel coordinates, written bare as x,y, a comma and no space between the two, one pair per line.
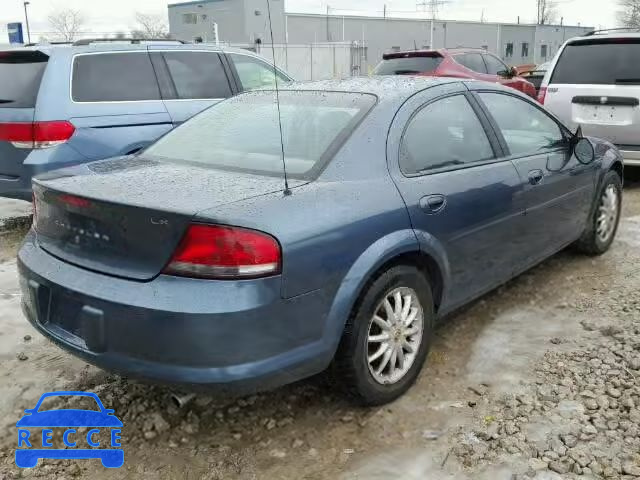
603,224
387,338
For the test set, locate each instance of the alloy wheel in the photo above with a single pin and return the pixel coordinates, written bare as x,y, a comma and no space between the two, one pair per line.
607,215
394,335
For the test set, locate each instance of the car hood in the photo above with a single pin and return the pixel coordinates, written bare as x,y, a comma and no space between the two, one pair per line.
69,418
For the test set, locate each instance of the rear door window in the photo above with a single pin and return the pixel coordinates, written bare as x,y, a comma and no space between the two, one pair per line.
20,77
599,62
407,65
197,75
254,73
443,134
114,77
473,61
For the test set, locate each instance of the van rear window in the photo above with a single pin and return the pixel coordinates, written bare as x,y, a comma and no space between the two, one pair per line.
20,77
599,62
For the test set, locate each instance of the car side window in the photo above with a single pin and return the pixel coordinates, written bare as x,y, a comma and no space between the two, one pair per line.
526,129
114,77
494,65
444,133
473,61
197,75
254,73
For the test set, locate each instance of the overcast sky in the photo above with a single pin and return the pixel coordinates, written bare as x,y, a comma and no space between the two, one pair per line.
111,16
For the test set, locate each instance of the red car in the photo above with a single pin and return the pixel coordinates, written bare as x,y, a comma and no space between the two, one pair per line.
459,62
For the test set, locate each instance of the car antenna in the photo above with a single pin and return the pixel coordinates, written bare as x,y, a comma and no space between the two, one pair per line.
287,191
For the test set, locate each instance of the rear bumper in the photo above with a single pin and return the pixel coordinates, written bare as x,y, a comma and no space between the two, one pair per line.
236,336
18,184
18,187
631,156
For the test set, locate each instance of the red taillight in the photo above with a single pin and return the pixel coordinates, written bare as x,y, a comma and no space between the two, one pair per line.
74,201
542,93
216,251
36,134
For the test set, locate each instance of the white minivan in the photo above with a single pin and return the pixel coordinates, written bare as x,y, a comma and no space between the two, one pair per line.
594,82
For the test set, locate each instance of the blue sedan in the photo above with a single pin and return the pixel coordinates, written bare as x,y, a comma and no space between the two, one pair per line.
199,262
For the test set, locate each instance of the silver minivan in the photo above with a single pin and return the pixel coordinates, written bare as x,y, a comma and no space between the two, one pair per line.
594,82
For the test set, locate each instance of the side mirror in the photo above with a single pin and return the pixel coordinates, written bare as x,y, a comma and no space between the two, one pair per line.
584,151
508,73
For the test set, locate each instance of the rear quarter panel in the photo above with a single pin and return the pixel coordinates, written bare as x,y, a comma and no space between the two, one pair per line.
327,224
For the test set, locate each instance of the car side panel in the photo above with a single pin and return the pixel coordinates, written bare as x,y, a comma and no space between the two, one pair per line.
475,228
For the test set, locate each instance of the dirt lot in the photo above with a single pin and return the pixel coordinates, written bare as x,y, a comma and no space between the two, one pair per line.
539,379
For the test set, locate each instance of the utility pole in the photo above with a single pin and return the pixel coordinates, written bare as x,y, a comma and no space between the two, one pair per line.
433,11
328,33
384,14
26,18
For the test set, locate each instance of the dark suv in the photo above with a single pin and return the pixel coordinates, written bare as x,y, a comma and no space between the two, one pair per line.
67,104
476,64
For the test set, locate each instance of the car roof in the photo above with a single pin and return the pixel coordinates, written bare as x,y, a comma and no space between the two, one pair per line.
51,49
441,51
384,87
612,34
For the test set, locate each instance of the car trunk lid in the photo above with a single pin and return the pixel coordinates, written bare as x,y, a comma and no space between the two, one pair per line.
125,217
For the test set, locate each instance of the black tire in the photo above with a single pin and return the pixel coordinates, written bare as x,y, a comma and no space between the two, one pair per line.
351,368
590,243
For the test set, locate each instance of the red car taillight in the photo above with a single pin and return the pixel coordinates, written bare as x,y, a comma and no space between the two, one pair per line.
36,134
542,93
217,251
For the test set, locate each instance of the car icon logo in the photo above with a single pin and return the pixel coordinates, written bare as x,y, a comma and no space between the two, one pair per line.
32,447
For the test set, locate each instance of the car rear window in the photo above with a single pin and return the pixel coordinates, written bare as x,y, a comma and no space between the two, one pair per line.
599,62
114,77
242,133
407,65
20,77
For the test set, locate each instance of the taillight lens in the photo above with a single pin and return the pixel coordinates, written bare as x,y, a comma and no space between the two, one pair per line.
216,251
542,94
36,134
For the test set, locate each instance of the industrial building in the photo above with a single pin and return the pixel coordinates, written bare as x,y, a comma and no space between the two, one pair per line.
245,22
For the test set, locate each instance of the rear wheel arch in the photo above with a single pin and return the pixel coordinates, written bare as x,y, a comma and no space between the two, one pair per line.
424,262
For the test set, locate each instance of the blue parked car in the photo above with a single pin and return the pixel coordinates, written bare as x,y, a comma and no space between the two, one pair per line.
192,262
67,104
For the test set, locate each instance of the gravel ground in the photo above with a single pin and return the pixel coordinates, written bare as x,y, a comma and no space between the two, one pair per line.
538,380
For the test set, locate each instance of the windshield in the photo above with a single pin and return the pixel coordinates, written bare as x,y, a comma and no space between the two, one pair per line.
20,77
407,65
601,62
242,133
